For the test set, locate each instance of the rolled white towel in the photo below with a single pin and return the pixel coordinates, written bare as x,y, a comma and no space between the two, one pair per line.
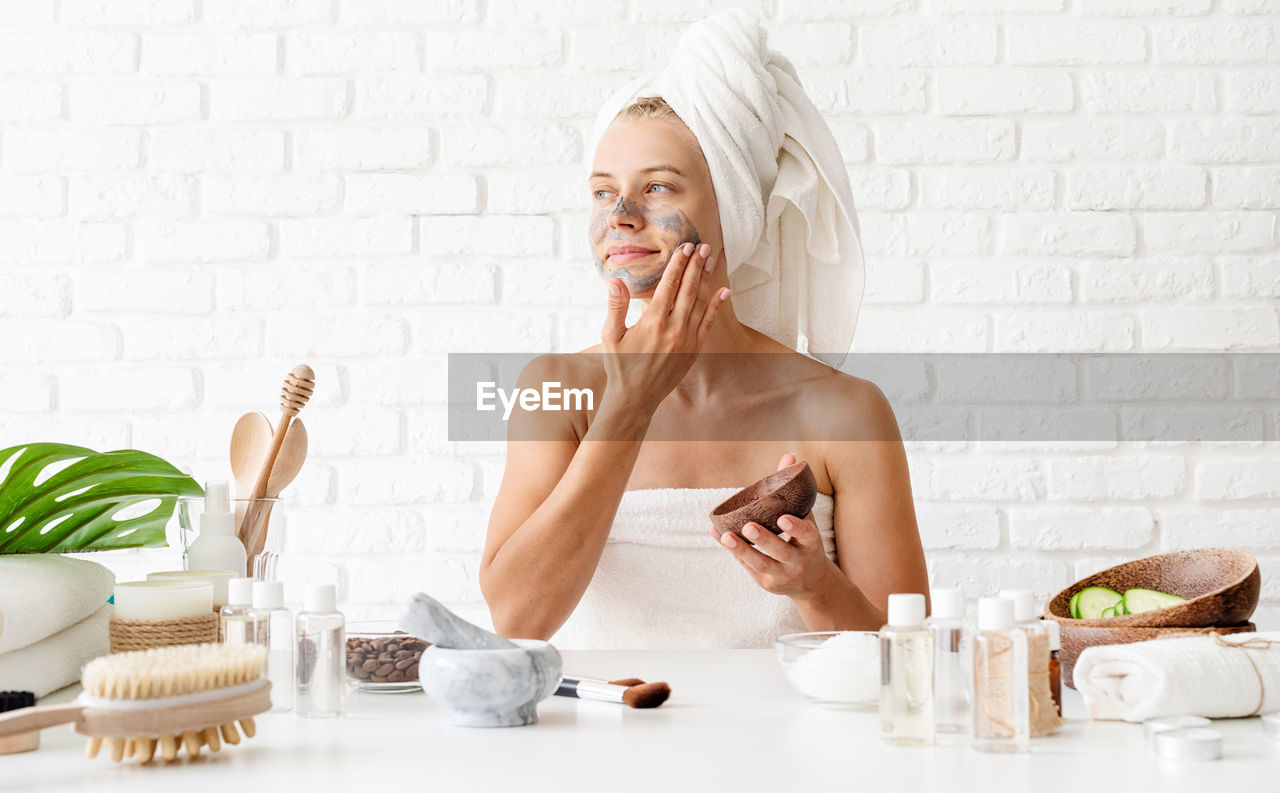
1184,676
55,662
43,594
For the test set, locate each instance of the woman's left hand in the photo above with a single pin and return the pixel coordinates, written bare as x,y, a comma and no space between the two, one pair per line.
795,567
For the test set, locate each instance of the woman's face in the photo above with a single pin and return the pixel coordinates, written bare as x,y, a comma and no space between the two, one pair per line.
650,192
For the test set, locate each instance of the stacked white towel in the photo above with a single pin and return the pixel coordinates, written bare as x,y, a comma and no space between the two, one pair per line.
664,582
53,619
1184,676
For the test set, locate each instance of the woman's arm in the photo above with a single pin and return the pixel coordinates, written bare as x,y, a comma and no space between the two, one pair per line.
558,497
877,540
551,519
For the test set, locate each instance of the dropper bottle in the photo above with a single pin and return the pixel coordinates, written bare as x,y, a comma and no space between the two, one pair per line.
906,674
1001,706
952,664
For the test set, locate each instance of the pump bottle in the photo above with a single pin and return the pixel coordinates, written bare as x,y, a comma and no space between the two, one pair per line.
216,547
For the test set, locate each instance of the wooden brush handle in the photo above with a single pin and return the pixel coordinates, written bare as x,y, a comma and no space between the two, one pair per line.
28,719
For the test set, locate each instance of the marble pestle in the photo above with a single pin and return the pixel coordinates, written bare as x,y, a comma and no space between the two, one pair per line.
426,618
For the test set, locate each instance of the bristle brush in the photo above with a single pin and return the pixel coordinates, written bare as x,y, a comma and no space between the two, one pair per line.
631,691
154,702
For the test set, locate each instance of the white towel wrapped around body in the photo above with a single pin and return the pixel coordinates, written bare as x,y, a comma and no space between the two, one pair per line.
664,583
791,238
55,662
43,594
1182,676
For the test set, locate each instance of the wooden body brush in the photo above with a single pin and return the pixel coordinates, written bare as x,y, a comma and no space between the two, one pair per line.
148,702
299,384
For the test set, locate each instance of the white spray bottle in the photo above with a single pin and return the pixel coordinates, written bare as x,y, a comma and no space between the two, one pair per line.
217,547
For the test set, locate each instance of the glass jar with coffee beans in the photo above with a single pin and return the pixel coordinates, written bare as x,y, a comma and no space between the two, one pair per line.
382,658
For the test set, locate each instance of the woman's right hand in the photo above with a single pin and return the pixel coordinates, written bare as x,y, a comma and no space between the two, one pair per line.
646,361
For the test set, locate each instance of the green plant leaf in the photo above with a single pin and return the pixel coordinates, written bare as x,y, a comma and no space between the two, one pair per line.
89,501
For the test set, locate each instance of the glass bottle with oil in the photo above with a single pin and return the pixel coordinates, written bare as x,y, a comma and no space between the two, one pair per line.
906,674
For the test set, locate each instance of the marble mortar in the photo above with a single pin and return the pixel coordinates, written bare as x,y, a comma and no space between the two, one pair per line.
491,687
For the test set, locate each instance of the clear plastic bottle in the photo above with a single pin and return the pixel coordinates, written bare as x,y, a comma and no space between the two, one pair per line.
952,665
268,599
1039,655
1001,706
906,674
238,621
321,652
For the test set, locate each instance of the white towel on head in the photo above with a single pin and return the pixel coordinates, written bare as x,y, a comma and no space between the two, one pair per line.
56,661
44,593
791,237
1183,676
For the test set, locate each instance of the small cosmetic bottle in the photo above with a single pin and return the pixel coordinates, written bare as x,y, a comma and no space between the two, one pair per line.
1055,666
906,674
1001,706
952,665
238,621
1039,660
268,599
320,656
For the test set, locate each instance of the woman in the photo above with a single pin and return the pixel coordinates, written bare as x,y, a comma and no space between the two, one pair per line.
591,525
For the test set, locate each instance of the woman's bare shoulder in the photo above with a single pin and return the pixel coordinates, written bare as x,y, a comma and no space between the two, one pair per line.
843,407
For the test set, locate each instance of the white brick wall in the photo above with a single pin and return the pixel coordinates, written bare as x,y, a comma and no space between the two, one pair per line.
196,195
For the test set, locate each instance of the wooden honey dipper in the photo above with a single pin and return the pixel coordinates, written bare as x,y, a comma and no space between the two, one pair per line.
298,386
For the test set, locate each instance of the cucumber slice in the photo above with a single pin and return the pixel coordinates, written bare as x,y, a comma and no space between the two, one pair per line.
1073,608
1136,601
1109,611
1093,600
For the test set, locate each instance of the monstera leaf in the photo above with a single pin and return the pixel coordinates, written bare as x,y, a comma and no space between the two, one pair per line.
56,498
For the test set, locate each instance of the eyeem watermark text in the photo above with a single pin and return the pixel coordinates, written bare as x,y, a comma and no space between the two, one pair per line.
550,397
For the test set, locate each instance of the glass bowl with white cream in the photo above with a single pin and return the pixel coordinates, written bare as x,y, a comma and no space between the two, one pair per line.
837,669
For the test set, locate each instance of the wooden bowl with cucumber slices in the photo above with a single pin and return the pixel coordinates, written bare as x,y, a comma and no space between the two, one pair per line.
1205,587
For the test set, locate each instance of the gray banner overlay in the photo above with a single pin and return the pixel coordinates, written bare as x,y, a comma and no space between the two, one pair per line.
1060,397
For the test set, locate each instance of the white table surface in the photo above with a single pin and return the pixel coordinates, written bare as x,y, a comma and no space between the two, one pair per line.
732,723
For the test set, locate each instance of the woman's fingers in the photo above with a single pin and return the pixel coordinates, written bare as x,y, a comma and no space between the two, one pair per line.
804,532
787,461
749,557
615,320
688,295
709,314
664,297
769,543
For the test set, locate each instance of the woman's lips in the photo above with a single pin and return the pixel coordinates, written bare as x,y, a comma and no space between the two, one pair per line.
618,259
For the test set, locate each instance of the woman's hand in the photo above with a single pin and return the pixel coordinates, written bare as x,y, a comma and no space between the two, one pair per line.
796,567
645,362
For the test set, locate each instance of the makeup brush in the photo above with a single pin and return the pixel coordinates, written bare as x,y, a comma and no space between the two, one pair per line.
154,702
631,691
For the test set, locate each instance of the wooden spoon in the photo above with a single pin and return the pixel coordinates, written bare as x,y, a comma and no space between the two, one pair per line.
299,384
250,441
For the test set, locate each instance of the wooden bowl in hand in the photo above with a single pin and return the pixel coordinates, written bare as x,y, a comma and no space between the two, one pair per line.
789,491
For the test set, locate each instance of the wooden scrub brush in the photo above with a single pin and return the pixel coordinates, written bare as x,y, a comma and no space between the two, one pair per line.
153,702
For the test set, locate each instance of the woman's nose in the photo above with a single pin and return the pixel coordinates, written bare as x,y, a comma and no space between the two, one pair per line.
626,213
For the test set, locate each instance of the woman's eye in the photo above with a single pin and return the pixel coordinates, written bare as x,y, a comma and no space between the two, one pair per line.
599,194
663,186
